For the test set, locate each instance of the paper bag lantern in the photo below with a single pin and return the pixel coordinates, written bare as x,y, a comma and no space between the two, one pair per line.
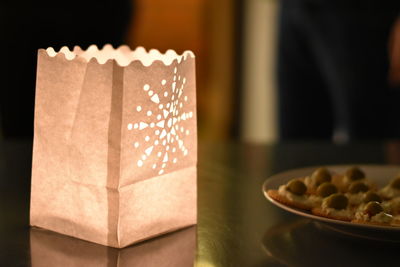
115,145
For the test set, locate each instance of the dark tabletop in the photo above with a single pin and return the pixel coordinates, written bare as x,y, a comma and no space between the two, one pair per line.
237,226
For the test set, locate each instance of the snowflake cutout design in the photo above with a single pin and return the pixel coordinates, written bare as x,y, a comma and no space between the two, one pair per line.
166,124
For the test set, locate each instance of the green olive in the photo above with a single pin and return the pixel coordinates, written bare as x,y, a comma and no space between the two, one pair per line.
395,183
337,201
373,208
297,187
358,187
326,189
320,176
371,196
354,174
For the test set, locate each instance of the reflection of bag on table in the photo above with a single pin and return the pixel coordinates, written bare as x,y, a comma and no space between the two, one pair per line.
115,148
50,249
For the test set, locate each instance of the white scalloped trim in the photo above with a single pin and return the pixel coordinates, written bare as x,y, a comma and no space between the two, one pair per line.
123,55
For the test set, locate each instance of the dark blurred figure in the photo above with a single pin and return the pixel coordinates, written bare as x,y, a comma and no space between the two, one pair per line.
26,27
333,70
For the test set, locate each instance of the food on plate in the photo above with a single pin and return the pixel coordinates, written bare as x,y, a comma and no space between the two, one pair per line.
293,194
296,187
356,192
318,177
323,190
372,196
354,174
348,196
358,187
373,213
336,206
392,206
326,189
336,201
351,175
391,190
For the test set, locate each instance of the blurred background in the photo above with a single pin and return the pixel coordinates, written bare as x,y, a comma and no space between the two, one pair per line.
267,70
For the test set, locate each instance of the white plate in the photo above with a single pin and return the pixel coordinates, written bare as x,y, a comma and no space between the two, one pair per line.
379,174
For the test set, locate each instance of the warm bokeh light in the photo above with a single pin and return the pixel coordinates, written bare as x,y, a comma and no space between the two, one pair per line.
207,28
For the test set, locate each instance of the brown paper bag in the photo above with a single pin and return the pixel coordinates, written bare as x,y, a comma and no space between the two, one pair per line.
115,145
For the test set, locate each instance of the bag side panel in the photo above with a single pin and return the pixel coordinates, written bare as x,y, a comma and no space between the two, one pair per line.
159,132
69,169
157,206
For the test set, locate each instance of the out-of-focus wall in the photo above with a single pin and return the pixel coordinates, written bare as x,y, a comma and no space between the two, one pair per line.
206,28
259,114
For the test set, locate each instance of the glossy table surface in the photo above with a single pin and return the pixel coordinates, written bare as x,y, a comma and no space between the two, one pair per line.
236,226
